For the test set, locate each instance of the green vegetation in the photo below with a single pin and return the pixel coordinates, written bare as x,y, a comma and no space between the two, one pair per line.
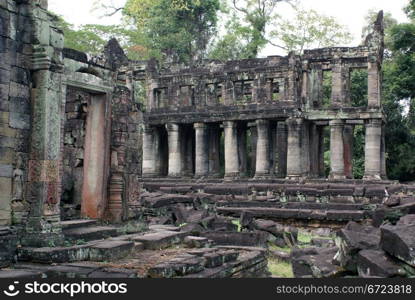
237,223
280,269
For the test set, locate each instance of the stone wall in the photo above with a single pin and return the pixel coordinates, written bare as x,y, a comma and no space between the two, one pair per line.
15,83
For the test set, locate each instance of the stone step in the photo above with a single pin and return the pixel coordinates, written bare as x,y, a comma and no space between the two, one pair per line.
160,239
111,250
71,224
292,205
304,214
90,233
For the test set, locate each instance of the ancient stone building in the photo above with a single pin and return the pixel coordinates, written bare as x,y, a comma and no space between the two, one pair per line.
79,134
271,115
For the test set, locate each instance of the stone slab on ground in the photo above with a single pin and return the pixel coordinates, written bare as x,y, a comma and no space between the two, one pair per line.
375,263
179,266
252,239
196,241
71,224
55,254
249,264
315,263
399,241
160,240
353,238
90,233
16,274
110,250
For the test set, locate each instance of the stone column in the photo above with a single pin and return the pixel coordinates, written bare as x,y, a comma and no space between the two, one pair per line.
336,149
281,149
373,149
383,155
374,84
231,150
340,81
45,155
175,155
294,161
314,151
321,165
262,149
348,150
149,152
202,155
214,150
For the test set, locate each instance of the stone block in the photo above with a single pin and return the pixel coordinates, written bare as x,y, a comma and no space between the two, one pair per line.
375,263
352,239
6,170
399,241
19,120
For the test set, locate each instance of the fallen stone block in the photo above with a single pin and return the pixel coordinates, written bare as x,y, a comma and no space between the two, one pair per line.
255,239
375,263
196,241
91,233
179,266
399,241
315,263
353,238
110,250
16,274
160,240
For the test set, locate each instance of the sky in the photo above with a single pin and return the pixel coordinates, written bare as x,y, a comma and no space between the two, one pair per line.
350,13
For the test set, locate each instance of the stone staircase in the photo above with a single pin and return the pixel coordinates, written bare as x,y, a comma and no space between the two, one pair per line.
332,203
89,241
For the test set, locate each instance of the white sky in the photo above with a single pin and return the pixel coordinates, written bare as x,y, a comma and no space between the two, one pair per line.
348,12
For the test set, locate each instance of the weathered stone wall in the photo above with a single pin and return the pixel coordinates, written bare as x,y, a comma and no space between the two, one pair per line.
15,82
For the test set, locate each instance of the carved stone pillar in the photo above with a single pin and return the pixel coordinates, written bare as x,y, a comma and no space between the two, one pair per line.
202,154
348,150
281,149
294,160
374,84
175,155
262,150
231,150
373,141
214,150
149,152
336,149
383,155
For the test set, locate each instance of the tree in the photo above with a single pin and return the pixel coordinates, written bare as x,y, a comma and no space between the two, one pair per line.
257,15
307,30
176,30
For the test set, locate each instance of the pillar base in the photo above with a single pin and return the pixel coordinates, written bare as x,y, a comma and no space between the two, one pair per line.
372,177
337,176
264,175
232,176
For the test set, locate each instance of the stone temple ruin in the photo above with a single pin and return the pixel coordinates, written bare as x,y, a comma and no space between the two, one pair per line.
103,158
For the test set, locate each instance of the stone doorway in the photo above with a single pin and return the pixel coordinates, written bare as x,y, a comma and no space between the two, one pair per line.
85,156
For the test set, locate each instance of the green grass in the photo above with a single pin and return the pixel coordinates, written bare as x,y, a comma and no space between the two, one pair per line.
280,269
237,223
276,248
305,237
